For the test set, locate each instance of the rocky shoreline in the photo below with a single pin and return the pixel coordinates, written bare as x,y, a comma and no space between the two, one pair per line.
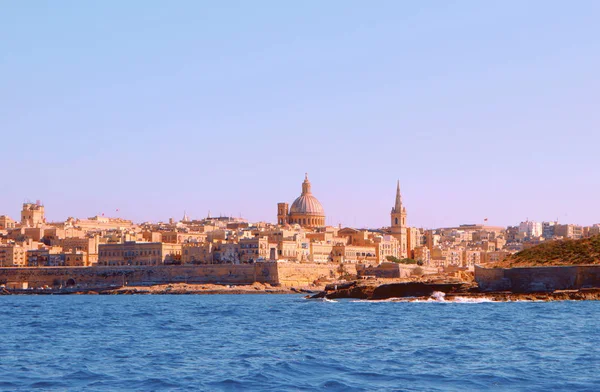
405,291
444,291
165,289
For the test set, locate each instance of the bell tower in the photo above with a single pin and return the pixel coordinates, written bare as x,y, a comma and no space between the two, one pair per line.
398,214
398,223
282,213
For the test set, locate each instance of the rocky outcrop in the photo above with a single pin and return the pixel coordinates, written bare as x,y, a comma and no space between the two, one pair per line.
376,291
448,291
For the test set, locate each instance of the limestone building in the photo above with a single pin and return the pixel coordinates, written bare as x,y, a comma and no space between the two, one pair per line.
6,222
138,253
398,226
306,210
13,256
32,215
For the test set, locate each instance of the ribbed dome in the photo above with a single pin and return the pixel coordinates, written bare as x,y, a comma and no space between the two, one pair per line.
307,205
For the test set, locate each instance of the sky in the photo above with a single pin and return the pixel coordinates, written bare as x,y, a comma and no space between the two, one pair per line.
482,109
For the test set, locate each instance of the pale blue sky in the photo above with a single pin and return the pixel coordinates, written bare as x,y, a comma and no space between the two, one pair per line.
480,108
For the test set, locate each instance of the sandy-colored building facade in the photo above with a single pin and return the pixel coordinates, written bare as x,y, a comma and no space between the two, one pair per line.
138,253
32,215
7,223
13,255
343,253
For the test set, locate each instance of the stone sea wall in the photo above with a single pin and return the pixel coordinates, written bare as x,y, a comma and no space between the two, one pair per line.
394,270
285,274
527,280
299,275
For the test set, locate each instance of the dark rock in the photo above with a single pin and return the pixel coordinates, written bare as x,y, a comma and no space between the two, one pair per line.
415,289
340,286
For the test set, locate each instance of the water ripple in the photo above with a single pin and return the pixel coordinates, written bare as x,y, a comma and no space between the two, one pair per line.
275,343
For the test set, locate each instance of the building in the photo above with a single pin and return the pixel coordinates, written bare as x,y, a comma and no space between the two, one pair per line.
398,226
254,249
386,246
548,229
494,257
320,252
178,237
288,250
422,253
446,257
306,210
531,229
88,245
471,257
226,252
32,215
592,230
13,256
76,258
413,240
432,239
343,253
7,223
568,231
98,223
138,253
38,257
197,253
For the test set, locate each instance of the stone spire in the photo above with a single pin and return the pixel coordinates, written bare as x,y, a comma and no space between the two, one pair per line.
306,186
398,205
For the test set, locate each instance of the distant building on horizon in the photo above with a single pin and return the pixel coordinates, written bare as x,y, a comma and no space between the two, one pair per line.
32,214
531,229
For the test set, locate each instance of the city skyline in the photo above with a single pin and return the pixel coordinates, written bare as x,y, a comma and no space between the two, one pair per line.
118,213
481,110
299,195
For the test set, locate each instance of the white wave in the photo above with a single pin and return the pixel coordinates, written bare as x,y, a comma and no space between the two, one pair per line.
441,298
474,300
438,296
394,299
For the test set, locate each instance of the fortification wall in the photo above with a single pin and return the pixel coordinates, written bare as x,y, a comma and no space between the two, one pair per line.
491,279
524,280
141,275
303,275
285,274
393,270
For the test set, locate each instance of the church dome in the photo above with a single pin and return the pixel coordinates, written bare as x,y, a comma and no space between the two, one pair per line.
307,204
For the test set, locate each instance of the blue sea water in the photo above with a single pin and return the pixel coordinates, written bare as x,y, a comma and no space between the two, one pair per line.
284,342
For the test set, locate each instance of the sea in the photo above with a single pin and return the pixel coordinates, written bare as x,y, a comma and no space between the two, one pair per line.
288,343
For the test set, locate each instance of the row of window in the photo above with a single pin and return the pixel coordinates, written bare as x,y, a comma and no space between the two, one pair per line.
120,262
311,221
130,253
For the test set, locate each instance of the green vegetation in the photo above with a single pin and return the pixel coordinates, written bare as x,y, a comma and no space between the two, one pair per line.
394,259
562,252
